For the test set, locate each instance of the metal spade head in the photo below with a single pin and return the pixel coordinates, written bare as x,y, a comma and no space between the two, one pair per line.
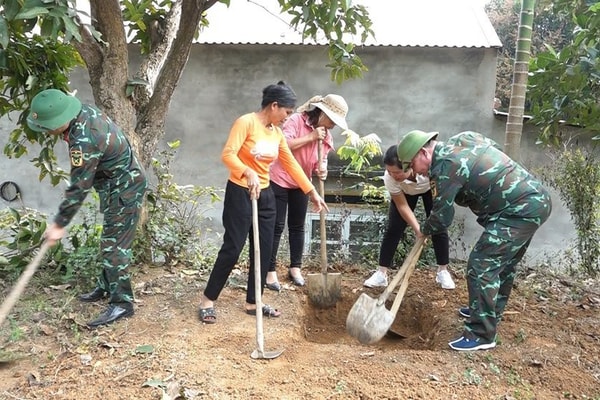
368,319
324,289
267,355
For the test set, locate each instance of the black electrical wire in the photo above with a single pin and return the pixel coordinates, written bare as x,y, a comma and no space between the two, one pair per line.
9,191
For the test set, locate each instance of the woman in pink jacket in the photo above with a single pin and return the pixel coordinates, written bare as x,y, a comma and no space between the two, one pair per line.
305,130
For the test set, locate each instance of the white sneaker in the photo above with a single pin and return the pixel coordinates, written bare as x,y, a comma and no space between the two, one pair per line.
445,279
378,279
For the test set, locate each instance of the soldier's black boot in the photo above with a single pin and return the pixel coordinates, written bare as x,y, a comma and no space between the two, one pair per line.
94,295
112,313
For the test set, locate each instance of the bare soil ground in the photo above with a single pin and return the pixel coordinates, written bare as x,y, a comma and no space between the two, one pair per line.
549,345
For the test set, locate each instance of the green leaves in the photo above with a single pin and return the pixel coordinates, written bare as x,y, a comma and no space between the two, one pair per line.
575,173
345,64
30,63
11,8
27,66
34,12
359,150
4,35
338,22
146,21
25,228
564,85
174,230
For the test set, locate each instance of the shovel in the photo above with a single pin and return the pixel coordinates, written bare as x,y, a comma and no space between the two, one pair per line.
19,287
368,319
324,290
260,352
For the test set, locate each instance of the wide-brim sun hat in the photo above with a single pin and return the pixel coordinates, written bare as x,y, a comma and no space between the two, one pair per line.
333,105
51,109
412,142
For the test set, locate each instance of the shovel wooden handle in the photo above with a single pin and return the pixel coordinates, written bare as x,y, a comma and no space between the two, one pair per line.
19,287
322,227
410,260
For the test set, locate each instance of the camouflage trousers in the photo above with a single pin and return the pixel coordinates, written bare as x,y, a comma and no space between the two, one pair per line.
492,263
121,216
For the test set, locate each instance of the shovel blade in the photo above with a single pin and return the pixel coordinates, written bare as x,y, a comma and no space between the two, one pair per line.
267,355
368,321
324,289
393,334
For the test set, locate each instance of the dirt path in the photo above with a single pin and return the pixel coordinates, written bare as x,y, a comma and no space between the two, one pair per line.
549,347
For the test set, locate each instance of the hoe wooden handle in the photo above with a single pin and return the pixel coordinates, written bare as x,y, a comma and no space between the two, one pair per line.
19,287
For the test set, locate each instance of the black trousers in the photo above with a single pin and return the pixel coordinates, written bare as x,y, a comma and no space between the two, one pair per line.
394,232
292,203
237,221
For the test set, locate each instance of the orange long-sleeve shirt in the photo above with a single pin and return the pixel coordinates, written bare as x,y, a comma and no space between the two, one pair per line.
253,145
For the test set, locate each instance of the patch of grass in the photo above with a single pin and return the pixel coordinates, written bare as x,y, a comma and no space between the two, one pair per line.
523,390
513,378
525,394
7,357
520,336
471,377
494,368
340,387
15,332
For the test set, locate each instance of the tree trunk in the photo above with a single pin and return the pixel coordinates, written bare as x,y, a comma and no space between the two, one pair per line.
164,73
514,124
141,116
108,62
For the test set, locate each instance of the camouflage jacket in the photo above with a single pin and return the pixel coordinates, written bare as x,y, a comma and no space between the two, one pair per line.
101,158
471,171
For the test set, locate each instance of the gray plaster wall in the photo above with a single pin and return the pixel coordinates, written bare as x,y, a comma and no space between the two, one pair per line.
406,88
443,89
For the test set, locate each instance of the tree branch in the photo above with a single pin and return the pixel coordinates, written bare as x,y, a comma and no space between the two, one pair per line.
152,65
152,115
89,48
104,14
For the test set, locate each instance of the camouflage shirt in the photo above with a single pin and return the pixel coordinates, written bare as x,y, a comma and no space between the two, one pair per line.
101,158
471,171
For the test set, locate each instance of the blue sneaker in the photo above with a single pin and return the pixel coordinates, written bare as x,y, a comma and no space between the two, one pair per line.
464,312
464,344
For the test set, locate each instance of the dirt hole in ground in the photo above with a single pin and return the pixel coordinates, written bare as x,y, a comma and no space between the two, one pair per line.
417,325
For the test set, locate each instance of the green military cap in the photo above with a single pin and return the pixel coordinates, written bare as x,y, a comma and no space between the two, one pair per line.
410,145
52,108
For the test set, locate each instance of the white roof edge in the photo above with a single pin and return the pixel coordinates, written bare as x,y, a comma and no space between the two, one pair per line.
448,23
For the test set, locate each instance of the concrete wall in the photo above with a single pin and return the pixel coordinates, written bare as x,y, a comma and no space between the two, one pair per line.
444,89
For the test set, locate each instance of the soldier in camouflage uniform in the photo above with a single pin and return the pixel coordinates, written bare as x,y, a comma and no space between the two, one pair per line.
101,158
470,170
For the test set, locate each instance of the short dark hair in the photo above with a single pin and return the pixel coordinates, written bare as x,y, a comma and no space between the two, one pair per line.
313,116
391,157
282,93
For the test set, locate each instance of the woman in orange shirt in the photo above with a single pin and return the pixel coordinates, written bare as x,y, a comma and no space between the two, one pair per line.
254,142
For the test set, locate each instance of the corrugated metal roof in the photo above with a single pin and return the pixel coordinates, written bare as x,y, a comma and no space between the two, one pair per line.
418,23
